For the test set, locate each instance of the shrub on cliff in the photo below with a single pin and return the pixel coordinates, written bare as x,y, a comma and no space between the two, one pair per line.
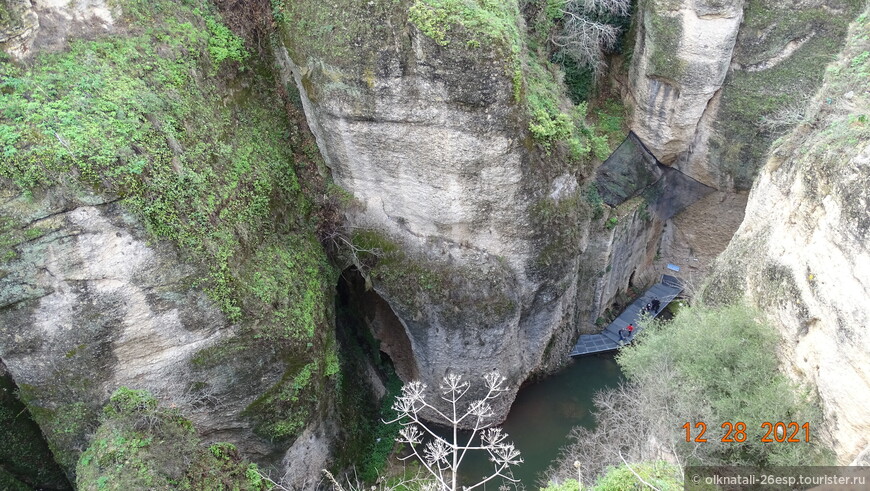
140,445
715,366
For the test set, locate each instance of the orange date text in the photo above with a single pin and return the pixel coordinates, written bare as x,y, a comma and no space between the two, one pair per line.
778,432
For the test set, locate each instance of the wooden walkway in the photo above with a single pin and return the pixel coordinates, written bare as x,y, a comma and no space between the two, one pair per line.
608,340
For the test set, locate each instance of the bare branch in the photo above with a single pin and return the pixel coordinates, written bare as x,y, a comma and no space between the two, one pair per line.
442,457
583,37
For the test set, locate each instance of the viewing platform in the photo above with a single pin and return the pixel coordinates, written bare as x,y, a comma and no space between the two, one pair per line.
608,340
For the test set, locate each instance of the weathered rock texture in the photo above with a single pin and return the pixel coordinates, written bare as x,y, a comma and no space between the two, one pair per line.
29,26
89,301
430,140
620,256
681,56
89,304
802,252
716,82
18,26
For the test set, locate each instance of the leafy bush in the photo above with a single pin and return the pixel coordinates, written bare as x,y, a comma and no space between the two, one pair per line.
593,197
724,362
222,43
709,365
661,475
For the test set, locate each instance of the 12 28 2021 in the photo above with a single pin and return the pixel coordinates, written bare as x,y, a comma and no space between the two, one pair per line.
778,432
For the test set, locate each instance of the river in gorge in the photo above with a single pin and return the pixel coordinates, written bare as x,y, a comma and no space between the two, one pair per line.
544,413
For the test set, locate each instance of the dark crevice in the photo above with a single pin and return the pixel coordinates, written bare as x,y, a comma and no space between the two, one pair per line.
375,325
25,458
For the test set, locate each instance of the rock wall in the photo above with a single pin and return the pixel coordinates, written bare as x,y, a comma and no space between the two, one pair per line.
88,305
619,256
29,26
715,83
424,129
681,56
92,298
802,254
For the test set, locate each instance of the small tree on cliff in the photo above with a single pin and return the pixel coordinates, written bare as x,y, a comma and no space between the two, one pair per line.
589,29
440,457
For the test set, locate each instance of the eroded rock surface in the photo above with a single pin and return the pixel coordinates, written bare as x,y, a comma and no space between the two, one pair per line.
30,26
715,83
681,56
429,138
89,304
802,252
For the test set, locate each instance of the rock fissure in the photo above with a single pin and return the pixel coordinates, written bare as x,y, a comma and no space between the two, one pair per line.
783,55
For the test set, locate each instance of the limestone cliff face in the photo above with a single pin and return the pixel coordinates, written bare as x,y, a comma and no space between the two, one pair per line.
681,56
427,134
715,83
92,299
89,305
620,256
802,252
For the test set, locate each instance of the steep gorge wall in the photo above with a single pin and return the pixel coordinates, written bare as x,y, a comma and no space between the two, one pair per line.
425,129
681,57
154,235
715,83
801,255
88,306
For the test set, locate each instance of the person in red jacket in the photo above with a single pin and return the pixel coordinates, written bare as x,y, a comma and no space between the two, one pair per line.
630,329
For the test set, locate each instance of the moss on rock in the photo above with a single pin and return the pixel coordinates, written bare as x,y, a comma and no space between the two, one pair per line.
182,125
25,459
417,283
666,32
762,90
140,445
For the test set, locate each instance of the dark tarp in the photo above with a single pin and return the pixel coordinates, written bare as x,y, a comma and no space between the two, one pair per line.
632,170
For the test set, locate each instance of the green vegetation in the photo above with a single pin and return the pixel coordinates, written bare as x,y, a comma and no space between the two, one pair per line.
485,21
708,364
536,81
666,33
417,282
282,412
181,123
593,197
579,79
140,445
366,442
663,475
65,425
128,121
551,124
563,221
343,33
223,44
820,150
750,98
24,456
382,437
726,358
8,17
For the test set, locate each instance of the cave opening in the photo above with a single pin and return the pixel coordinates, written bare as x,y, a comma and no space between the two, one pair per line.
376,356
366,321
